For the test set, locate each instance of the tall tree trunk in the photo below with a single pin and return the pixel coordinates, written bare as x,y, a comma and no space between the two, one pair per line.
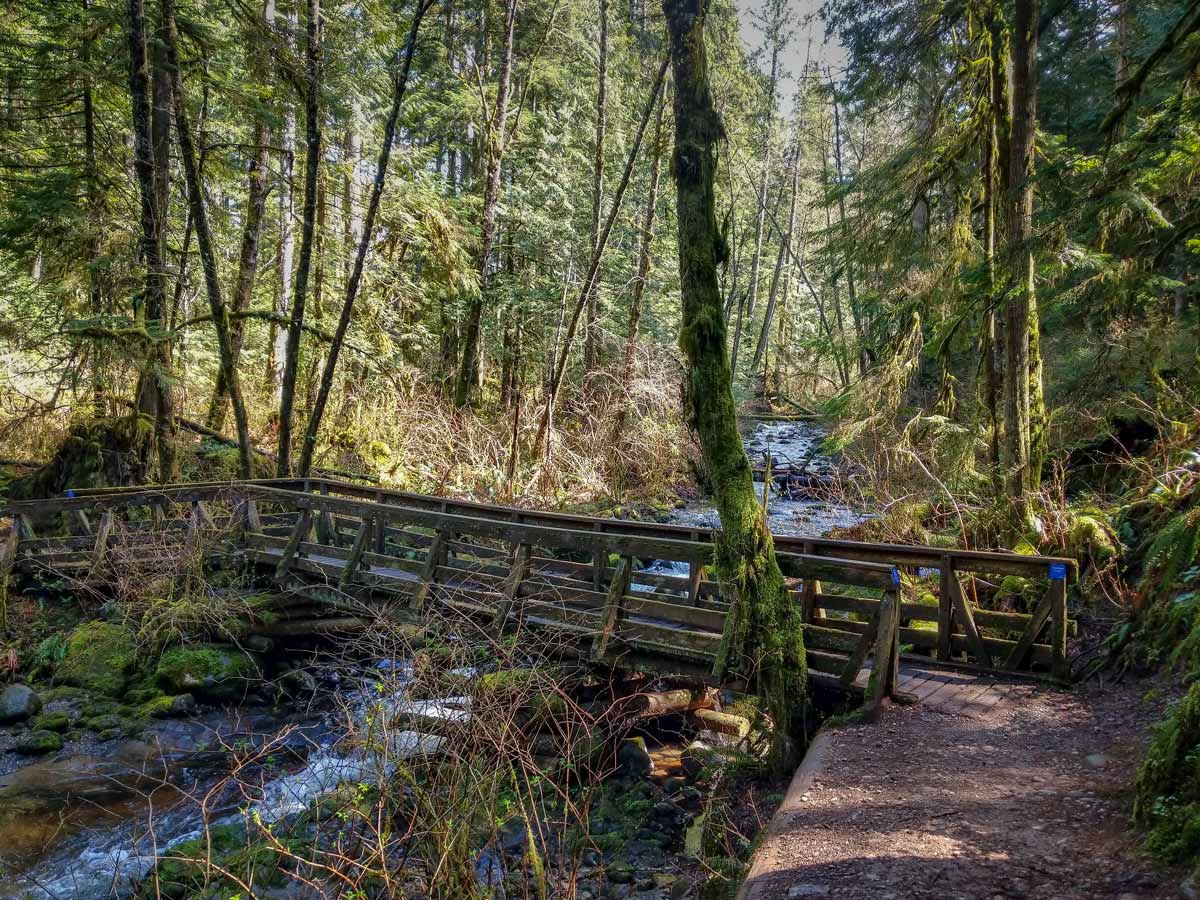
287,230
243,288
764,639
1021,396
496,138
151,384
399,84
94,204
785,247
212,283
643,269
746,309
312,164
590,336
847,239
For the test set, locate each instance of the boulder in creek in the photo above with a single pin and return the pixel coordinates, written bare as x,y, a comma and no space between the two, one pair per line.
18,702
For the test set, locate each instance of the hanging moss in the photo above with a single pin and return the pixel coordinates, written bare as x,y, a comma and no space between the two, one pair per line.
1167,799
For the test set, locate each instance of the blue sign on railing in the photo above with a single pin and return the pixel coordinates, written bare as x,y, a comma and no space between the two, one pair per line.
70,495
1058,571
895,575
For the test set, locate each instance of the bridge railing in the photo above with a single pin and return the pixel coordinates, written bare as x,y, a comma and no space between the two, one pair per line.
962,628
585,586
948,609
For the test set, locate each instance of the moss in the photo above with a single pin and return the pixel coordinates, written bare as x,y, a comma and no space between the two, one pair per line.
35,743
96,453
99,658
52,721
212,671
1167,800
189,867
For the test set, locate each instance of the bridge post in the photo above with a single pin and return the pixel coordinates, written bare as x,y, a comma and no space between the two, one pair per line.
350,569
512,586
612,607
945,624
1058,595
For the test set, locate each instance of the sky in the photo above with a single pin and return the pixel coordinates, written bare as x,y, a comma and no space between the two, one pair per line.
808,27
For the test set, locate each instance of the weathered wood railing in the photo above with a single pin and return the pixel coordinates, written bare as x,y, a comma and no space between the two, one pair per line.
370,526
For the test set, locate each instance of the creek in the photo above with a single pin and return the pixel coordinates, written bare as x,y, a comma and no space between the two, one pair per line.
89,821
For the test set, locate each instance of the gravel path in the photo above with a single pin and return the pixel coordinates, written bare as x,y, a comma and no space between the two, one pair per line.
1028,800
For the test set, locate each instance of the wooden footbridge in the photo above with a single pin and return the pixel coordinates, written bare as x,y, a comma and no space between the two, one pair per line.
348,552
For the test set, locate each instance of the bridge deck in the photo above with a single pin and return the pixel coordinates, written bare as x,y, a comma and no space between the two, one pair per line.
410,556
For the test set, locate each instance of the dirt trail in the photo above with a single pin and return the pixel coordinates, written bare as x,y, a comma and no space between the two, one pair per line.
1027,798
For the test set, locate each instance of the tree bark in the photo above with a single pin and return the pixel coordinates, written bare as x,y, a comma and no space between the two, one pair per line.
643,269
152,390
746,309
187,152
243,288
287,233
590,337
1022,362
763,637
785,246
497,138
399,84
312,164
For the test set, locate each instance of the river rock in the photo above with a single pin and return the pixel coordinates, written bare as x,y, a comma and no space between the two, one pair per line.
210,671
100,657
177,707
35,743
634,758
52,721
297,683
18,703
696,757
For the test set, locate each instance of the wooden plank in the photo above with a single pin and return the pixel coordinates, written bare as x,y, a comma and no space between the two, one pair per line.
1016,658
612,608
882,662
866,606
1058,616
830,639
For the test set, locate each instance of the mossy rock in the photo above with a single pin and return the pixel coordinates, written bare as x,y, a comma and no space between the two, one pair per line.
100,658
1167,800
169,707
1091,539
216,673
52,721
185,869
38,742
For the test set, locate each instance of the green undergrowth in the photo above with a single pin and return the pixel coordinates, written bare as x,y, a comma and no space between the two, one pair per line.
1167,800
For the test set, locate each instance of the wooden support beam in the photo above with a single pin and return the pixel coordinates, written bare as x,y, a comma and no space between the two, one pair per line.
859,655
947,576
1058,615
882,681
25,527
962,612
695,577
512,586
599,563
612,608
81,520
250,518
356,554
1016,658
435,556
299,533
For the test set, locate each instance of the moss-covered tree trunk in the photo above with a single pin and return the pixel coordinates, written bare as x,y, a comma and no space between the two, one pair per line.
763,640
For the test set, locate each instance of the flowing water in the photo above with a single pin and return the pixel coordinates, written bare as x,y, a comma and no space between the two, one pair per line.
808,511
89,823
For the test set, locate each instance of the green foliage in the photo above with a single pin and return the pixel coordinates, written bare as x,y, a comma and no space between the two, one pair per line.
1167,802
